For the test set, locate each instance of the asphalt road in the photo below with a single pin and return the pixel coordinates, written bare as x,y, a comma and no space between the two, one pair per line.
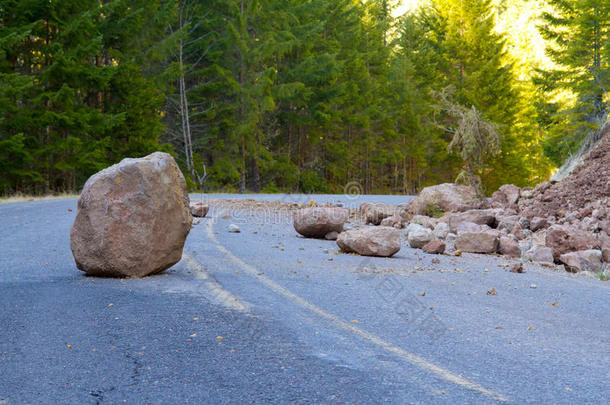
266,316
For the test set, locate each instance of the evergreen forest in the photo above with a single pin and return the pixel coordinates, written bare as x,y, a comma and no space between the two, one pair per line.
300,95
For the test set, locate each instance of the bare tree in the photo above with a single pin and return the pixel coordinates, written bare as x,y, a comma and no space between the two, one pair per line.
475,138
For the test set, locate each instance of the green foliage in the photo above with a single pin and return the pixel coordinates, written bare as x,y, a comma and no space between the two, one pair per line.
578,42
289,95
432,209
73,90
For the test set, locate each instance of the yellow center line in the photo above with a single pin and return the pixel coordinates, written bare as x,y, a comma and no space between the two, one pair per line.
340,323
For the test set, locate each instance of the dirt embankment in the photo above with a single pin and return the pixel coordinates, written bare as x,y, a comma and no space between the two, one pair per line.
586,188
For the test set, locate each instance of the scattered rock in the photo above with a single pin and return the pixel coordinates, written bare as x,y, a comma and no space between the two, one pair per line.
450,239
425,221
441,230
199,209
509,247
436,247
374,213
606,255
317,222
524,223
516,268
533,286
485,241
563,239
233,228
371,241
470,227
418,236
540,254
436,260
507,196
395,221
508,223
479,217
492,291
331,236
132,219
422,294
538,223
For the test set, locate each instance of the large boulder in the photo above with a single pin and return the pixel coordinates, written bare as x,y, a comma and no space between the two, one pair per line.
418,236
443,198
133,218
507,196
482,241
374,213
371,241
317,222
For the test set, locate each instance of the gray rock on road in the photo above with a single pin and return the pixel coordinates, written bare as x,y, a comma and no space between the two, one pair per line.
483,241
479,217
418,236
374,213
199,209
371,241
436,247
133,218
317,222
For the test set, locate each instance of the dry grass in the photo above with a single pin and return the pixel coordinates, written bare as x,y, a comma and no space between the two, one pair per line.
25,198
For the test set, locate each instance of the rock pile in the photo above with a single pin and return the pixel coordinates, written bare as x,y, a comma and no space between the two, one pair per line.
566,222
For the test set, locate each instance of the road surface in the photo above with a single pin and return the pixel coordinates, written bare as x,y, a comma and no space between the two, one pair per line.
266,316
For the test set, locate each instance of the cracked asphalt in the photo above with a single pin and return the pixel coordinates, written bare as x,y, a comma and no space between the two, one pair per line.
264,316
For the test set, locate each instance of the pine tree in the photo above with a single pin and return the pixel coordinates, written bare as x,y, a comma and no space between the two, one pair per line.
77,96
578,41
474,63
